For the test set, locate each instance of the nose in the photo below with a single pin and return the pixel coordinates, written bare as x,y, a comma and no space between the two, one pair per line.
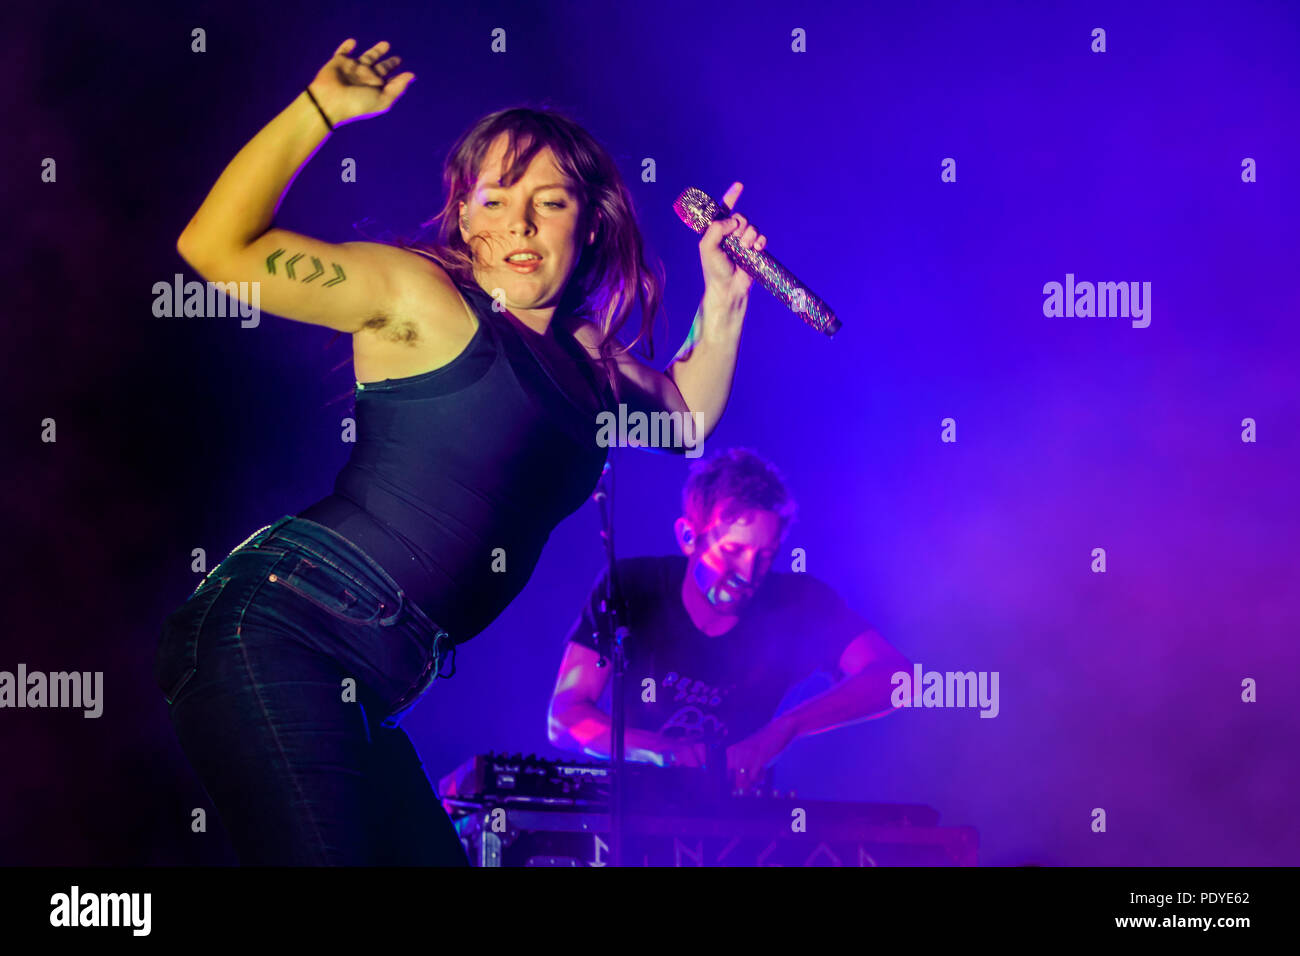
522,225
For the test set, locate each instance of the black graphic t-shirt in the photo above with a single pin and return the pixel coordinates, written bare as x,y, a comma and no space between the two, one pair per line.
730,684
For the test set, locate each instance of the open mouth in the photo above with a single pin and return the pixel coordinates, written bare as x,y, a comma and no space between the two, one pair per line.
524,263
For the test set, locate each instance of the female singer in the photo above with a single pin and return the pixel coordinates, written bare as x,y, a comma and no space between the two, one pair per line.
481,363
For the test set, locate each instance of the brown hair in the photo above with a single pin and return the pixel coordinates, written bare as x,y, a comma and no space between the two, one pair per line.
740,480
611,273
609,270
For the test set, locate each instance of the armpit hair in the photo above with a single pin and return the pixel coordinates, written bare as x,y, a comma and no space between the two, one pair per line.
402,331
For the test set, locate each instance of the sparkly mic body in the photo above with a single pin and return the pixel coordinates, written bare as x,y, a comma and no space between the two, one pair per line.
697,209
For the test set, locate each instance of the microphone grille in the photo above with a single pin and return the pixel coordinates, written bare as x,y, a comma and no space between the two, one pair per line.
697,209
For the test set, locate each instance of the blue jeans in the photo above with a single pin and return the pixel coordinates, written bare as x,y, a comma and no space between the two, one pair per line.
286,673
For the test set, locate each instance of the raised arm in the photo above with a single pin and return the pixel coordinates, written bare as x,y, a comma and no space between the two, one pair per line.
698,380
703,368
340,285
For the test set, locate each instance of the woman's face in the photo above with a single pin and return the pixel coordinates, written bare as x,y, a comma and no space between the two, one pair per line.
540,213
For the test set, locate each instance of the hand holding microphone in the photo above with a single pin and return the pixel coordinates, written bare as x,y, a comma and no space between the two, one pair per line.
721,275
743,245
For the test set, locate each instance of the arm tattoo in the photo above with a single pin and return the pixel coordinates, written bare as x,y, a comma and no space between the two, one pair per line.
317,270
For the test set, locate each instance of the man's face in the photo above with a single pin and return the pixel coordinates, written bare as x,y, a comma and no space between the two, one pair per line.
728,560
540,212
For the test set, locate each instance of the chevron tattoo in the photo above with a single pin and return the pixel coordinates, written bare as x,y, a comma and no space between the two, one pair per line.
292,263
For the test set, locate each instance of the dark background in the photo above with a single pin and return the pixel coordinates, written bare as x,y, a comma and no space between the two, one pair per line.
1119,691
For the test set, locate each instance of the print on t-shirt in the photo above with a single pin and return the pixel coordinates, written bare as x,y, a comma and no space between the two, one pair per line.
697,713
727,686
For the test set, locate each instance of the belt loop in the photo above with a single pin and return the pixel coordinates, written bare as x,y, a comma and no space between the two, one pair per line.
442,643
272,529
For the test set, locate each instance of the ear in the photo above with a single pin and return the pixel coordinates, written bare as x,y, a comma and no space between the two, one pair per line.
685,534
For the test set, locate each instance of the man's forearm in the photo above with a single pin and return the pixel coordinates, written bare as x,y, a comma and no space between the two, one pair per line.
587,728
863,696
706,363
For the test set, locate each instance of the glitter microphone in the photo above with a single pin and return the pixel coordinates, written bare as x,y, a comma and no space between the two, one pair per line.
697,209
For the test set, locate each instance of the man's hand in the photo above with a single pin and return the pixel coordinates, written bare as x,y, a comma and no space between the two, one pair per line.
747,759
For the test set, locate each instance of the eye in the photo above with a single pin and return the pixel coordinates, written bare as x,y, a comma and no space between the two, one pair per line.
557,205
491,202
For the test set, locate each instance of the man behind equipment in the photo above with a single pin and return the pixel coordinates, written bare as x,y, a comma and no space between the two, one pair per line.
723,640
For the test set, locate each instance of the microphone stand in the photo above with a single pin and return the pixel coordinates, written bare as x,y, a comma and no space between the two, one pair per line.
612,635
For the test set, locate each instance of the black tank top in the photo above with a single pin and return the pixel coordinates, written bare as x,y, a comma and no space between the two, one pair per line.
470,467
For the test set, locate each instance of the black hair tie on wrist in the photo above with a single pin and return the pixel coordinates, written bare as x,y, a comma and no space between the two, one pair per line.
319,110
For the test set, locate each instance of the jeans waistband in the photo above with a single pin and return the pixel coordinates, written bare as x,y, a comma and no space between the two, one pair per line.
378,542
296,531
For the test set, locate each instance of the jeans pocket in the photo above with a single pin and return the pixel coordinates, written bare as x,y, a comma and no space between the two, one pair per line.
177,658
330,590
